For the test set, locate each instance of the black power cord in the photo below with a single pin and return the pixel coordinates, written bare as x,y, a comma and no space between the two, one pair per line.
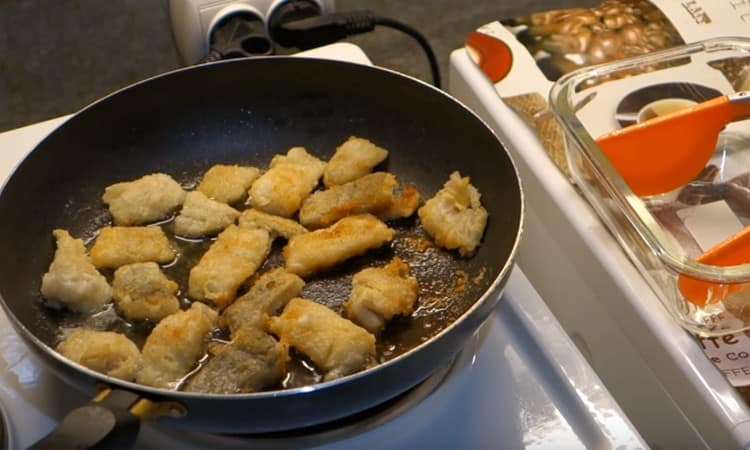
413,32
289,30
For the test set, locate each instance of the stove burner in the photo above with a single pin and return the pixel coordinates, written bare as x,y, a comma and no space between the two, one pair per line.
315,435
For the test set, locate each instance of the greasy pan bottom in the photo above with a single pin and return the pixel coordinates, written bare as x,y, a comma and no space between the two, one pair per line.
245,111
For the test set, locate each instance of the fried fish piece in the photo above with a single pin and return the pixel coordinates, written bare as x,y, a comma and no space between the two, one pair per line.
454,217
147,199
270,293
252,361
201,216
380,293
72,280
355,158
106,352
276,225
367,194
235,255
142,292
228,183
290,179
317,250
403,205
375,193
332,343
175,345
118,246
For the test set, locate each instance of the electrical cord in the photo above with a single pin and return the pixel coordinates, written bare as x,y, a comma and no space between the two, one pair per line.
318,30
414,33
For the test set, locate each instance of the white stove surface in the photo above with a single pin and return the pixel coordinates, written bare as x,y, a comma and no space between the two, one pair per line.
520,383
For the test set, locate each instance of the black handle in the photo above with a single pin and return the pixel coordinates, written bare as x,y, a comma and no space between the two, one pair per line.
111,420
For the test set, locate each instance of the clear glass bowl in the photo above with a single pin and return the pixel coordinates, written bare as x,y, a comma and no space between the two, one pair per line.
673,237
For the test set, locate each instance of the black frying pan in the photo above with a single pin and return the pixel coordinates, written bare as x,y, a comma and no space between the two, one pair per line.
244,111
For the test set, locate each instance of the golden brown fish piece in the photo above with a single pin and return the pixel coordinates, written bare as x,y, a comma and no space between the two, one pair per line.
175,345
404,204
228,183
270,292
147,199
106,352
235,255
371,193
454,217
201,216
142,292
276,225
380,293
353,159
117,246
72,280
290,179
253,360
332,343
322,249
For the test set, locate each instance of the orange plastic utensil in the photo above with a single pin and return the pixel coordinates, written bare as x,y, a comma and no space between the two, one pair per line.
732,251
668,151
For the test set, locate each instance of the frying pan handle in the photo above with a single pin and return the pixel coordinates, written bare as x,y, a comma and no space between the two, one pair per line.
111,420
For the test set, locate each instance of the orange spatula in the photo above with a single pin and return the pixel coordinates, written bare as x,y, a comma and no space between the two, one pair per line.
668,151
732,251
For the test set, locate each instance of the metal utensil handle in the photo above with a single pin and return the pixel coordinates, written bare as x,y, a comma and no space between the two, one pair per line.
112,420
740,102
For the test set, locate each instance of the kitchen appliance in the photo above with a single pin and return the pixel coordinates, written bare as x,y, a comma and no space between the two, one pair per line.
658,372
194,21
519,384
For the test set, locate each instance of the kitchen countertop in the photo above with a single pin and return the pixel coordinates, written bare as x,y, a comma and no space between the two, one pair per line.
60,56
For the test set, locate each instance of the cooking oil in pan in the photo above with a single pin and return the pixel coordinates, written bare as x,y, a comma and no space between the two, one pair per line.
448,286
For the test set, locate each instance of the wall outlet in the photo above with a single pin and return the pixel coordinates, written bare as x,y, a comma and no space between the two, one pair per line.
194,20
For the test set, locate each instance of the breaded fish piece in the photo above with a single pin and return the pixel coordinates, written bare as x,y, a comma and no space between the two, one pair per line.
317,250
276,225
353,159
106,352
454,217
175,345
290,179
367,194
404,204
375,193
252,361
117,246
228,183
269,294
147,199
142,292
380,293
235,255
72,280
201,216
332,343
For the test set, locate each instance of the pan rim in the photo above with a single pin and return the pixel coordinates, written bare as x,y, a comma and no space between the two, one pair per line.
494,289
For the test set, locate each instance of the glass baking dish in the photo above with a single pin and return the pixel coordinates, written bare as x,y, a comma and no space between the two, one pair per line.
691,242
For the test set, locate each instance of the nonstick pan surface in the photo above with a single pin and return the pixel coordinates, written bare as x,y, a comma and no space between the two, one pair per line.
244,112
